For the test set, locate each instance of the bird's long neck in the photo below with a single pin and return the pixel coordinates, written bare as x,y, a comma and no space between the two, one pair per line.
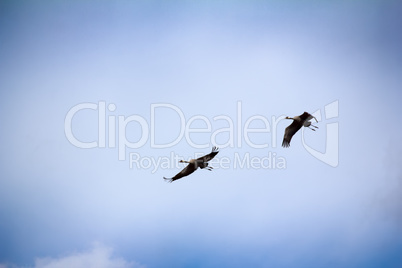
192,161
296,118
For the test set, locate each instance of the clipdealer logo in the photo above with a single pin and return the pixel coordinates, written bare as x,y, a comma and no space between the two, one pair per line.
331,154
112,133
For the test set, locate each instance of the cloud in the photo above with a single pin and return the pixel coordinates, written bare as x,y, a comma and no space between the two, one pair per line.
99,256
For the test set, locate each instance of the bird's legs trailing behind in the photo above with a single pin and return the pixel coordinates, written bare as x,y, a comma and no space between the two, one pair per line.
309,124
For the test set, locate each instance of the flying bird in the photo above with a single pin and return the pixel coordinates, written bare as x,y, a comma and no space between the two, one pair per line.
193,164
298,122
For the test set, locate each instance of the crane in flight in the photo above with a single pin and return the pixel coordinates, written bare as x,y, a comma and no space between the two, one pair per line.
302,120
193,164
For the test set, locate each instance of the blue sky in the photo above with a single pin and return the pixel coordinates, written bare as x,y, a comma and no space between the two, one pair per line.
63,206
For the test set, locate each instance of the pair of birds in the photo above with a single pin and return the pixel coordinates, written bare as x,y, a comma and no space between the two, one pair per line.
202,162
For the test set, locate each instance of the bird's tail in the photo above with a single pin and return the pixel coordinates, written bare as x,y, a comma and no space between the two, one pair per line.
168,179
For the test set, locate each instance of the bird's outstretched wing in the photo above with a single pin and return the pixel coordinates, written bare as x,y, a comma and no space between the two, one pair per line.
306,117
289,132
190,168
206,158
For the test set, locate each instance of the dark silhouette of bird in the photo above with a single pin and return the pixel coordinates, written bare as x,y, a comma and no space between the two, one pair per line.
298,122
193,164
